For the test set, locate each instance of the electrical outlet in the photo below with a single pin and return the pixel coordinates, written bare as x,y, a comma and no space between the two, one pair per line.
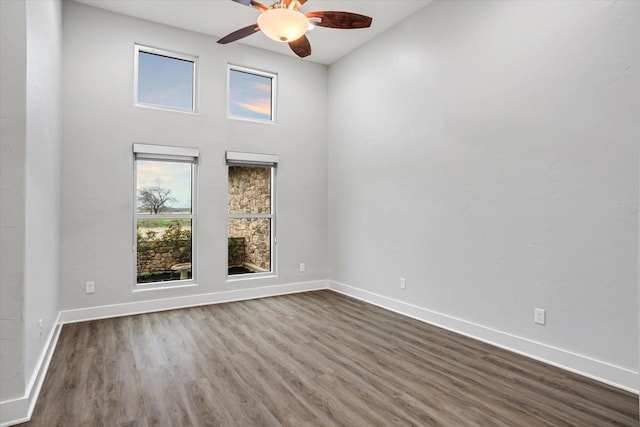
539,316
302,267
89,287
403,283
40,327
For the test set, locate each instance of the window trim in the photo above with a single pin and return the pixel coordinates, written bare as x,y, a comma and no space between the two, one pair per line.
255,160
274,91
169,54
176,155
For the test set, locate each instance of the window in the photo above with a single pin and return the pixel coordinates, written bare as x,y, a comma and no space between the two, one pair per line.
165,79
251,94
252,221
164,219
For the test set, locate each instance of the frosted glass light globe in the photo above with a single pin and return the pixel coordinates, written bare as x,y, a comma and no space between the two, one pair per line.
283,25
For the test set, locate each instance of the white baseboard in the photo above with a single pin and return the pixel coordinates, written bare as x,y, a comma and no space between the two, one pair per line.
139,307
595,369
16,411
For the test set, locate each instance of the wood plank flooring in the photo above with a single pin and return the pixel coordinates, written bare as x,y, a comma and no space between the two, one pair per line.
311,359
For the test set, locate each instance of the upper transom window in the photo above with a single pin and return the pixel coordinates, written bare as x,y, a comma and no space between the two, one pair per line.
165,79
252,94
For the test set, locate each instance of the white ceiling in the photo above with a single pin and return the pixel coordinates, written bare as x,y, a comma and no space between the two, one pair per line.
220,17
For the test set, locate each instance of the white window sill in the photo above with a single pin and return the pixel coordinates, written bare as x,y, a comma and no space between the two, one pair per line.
174,284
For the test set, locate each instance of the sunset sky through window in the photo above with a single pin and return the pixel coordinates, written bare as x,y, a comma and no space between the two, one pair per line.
249,95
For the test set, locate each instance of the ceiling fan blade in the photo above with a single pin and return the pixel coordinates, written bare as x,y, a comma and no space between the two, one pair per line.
301,46
252,3
239,34
342,20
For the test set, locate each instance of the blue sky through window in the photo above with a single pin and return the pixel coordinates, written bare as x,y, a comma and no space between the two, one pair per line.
165,81
172,176
250,95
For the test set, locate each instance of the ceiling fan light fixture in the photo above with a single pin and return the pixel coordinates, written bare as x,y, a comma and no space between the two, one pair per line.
282,24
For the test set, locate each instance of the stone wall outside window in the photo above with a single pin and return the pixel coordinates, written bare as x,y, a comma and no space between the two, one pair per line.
250,192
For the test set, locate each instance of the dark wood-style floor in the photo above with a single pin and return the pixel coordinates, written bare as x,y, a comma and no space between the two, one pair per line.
315,359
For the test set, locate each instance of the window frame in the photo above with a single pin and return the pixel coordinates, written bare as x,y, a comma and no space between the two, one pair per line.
274,91
255,160
172,55
147,152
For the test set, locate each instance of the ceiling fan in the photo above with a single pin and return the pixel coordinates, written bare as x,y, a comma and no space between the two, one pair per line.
283,22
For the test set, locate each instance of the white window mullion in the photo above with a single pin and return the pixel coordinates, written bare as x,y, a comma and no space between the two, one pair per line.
249,216
164,216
